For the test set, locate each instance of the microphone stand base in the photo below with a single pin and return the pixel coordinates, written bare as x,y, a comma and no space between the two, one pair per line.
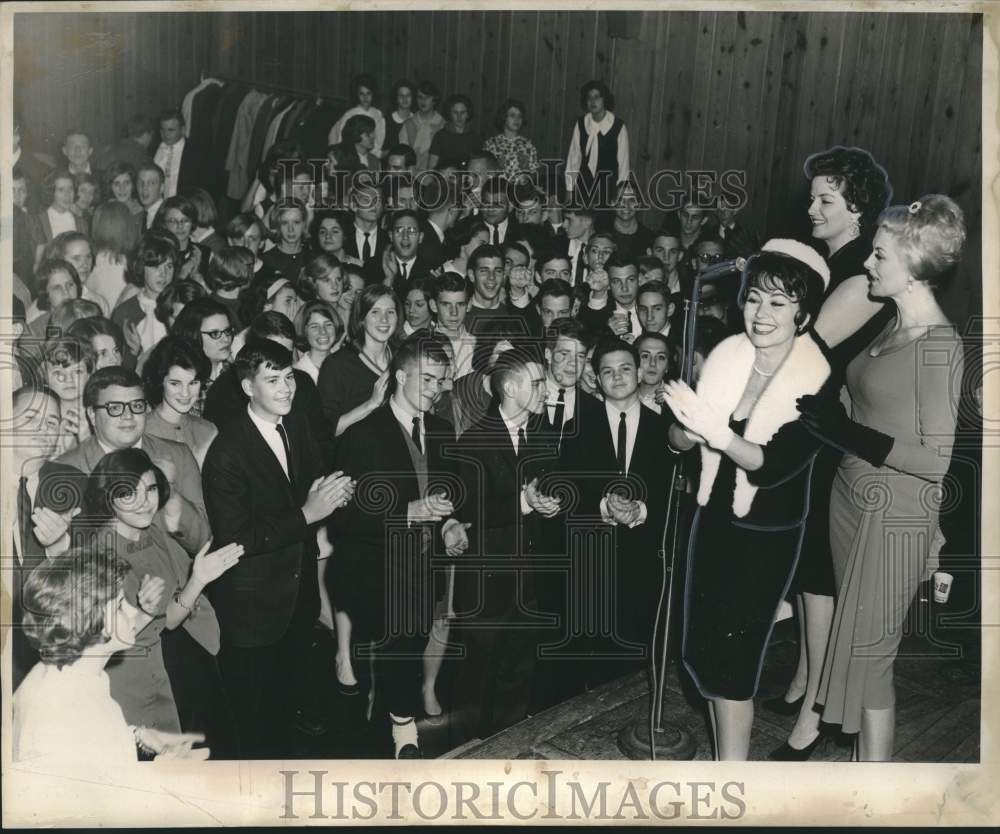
672,742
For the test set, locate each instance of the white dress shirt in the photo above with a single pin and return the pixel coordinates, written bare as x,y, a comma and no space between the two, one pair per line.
463,345
575,252
151,213
626,311
168,157
32,487
269,431
501,231
513,425
61,221
404,416
631,430
359,240
552,400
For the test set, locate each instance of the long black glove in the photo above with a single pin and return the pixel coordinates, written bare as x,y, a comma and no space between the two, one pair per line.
826,418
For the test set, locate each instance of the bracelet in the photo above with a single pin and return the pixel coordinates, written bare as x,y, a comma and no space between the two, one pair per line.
189,608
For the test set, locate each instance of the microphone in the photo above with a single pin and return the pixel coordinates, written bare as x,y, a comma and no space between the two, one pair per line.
736,265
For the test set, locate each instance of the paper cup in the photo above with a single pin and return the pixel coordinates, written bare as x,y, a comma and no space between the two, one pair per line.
942,586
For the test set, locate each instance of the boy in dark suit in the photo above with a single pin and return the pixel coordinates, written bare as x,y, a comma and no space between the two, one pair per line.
503,456
265,489
382,575
622,483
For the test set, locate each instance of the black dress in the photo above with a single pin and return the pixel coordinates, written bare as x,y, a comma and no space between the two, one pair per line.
814,574
738,569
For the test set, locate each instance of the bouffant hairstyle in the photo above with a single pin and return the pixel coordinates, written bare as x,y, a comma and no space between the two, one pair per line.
930,234
429,88
458,98
171,352
181,204
318,268
320,308
501,116
179,292
364,80
152,251
602,88
230,268
65,600
189,321
863,183
356,126
116,477
65,351
49,185
277,210
774,271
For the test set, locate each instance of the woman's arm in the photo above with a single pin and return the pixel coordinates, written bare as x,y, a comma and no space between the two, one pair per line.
846,309
623,159
247,202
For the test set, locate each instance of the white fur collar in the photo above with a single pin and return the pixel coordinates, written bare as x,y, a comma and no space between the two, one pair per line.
723,379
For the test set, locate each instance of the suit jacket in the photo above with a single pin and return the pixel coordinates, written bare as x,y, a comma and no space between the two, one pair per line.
432,249
61,484
31,555
226,401
373,526
197,166
373,268
251,501
494,475
420,268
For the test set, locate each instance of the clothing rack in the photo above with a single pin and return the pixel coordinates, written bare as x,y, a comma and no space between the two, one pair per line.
273,88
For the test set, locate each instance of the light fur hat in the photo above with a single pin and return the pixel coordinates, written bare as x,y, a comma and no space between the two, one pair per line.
801,252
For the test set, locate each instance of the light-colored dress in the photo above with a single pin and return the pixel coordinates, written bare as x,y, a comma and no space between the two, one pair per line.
517,154
68,714
195,432
884,530
418,133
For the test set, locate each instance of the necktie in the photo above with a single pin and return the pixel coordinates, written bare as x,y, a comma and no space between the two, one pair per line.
522,443
168,165
580,267
415,434
496,236
557,417
629,322
366,251
288,449
622,443
23,518
402,271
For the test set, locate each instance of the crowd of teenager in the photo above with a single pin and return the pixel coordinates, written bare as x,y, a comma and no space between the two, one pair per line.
421,413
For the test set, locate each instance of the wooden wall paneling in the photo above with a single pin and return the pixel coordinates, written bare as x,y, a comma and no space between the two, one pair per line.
490,61
760,174
947,103
679,47
652,140
604,45
964,184
888,127
747,107
632,80
817,82
550,134
910,69
522,53
922,83
704,70
722,139
873,46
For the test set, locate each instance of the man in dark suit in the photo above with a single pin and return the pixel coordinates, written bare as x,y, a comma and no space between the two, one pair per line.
133,147
502,457
495,211
401,262
366,240
622,484
388,536
226,398
35,430
442,211
183,162
116,409
265,489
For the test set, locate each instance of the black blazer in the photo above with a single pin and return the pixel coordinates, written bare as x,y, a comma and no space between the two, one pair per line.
493,476
197,167
225,401
432,250
250,501
372,270
32,554
588,411
374,524
420,268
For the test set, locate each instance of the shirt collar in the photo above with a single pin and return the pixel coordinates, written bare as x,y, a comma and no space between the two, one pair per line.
514,424
108,449
614,411
402,413
601,127
262,424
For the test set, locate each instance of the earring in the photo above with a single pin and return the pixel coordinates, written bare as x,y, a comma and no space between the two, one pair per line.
909,285
855,228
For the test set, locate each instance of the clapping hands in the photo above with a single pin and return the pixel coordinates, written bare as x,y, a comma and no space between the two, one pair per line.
623,510
703,422
542,504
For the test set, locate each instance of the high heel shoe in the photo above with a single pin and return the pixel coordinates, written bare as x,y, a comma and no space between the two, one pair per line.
787,753
782,707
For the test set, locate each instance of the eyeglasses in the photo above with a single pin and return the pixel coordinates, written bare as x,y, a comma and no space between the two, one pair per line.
216,335
117,409
177,222
711,258
405,230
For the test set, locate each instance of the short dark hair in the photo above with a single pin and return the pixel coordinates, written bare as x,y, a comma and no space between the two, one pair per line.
400,83
106,377
403,150
257,352
356,126
271,323
115,476
363,79
487,250
620,260
67,350
501,115
513,246
228,269
612,344
178,292
658,287
775,271
46,269
204,205
65,600
49,184
171,113
567,329
450,282
241,223
187,325
152,251
863,183
181,204
429,88
170,352
602,88
138,124
555,287
417,346
509,363
658,337
457,98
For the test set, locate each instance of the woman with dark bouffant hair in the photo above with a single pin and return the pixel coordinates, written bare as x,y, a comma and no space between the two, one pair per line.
597,159
517,153
163,687
151,268
456,141
848,189
418,131
179,216
896,443
78,615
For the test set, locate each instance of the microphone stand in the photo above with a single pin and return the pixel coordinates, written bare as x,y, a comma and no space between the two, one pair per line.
646,739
